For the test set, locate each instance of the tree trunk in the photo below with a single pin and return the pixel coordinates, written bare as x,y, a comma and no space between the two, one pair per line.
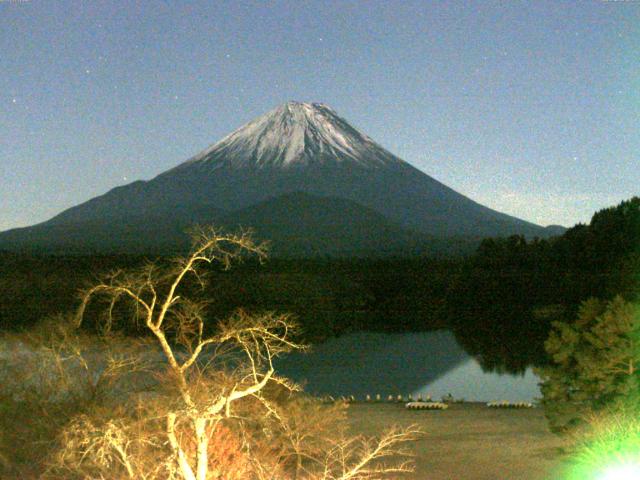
202,448
183,463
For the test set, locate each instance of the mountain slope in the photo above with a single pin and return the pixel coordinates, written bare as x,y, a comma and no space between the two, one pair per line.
301,224
297,147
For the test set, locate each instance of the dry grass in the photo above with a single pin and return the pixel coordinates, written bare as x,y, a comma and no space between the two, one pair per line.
470,441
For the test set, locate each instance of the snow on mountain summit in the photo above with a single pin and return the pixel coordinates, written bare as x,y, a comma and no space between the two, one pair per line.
299,168
295,134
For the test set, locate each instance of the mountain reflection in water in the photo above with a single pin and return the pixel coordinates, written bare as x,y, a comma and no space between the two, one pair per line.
430,363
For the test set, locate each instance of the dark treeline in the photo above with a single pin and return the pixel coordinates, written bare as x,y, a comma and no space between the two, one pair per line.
328,296
500,302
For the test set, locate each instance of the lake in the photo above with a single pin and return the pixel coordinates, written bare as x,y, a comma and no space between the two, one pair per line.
359,364
428,363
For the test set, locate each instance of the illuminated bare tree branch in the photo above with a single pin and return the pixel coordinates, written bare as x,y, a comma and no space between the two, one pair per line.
209,379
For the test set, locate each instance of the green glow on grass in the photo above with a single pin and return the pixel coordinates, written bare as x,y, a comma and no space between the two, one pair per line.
603,469
628,471
608,448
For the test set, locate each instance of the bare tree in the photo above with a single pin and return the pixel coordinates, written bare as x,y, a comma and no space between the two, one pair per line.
210,380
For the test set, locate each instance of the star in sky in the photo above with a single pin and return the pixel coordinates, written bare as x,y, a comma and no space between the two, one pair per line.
418,77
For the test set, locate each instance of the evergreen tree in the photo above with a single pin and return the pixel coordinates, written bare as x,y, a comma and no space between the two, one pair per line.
595,362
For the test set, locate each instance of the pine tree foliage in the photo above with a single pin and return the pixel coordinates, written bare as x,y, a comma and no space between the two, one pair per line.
594,362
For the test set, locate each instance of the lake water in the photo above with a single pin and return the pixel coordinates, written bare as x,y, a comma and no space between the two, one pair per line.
360,364
429,363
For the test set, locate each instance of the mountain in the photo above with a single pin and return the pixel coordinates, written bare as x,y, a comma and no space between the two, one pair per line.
310,225
249,176
554,231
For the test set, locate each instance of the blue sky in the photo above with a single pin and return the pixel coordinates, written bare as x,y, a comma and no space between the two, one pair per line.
530,108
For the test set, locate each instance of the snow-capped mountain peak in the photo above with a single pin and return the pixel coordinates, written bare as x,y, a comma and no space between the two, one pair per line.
300,175
295,134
